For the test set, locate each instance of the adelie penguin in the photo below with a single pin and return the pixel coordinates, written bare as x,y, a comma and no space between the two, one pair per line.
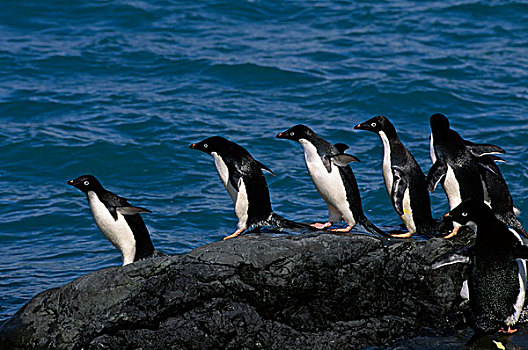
468,170
120,222
333,178
242,176
496,192
497,275
404,180
454,166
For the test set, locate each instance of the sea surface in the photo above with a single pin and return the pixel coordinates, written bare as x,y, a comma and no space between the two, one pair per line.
119,89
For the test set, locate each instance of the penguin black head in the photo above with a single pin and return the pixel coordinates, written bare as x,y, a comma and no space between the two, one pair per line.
439,122
375,124
212,144
297,132
86,183
217,145
469,213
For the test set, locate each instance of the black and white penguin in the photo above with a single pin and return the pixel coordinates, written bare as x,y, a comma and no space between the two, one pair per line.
468,170
496,192
454,166
120,222
404,180
333,178
496,284
242,176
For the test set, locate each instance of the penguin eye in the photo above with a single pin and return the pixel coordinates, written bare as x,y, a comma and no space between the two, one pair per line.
292,133
86,183
373,125
206,145
464,214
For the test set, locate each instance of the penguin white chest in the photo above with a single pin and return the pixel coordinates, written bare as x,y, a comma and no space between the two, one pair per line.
329,184
452,188
387,164
116,231
223,172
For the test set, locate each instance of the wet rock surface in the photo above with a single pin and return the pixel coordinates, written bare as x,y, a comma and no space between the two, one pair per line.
318,291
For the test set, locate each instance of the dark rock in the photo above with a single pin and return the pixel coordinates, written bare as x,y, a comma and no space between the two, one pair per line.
257,292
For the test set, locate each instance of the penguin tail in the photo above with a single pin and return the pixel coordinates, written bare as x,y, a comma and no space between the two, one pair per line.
512,221
437,228
283,223
158,253
370,227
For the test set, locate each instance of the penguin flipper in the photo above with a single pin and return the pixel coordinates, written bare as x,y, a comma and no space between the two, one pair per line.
399,185
234,179
488,167
479,150
327,163
495,158
263,167
436,174
450,259
342,159
131,210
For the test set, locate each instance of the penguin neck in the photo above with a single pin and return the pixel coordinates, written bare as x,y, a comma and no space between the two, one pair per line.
311,152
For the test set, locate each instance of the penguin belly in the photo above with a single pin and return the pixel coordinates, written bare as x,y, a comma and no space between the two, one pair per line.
388,176
452,188
116,231
242,205
329,184
408,217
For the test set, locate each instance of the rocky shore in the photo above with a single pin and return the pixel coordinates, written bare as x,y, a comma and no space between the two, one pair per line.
317,291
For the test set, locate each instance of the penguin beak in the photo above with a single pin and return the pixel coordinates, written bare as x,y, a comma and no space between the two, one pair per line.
280,135
70,183
361,126
193,146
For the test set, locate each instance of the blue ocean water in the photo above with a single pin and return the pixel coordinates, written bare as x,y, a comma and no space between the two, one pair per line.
119,89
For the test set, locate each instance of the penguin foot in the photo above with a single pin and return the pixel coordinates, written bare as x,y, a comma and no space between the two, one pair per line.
321,226
401,235
234,234
507,331
346,229
452,233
